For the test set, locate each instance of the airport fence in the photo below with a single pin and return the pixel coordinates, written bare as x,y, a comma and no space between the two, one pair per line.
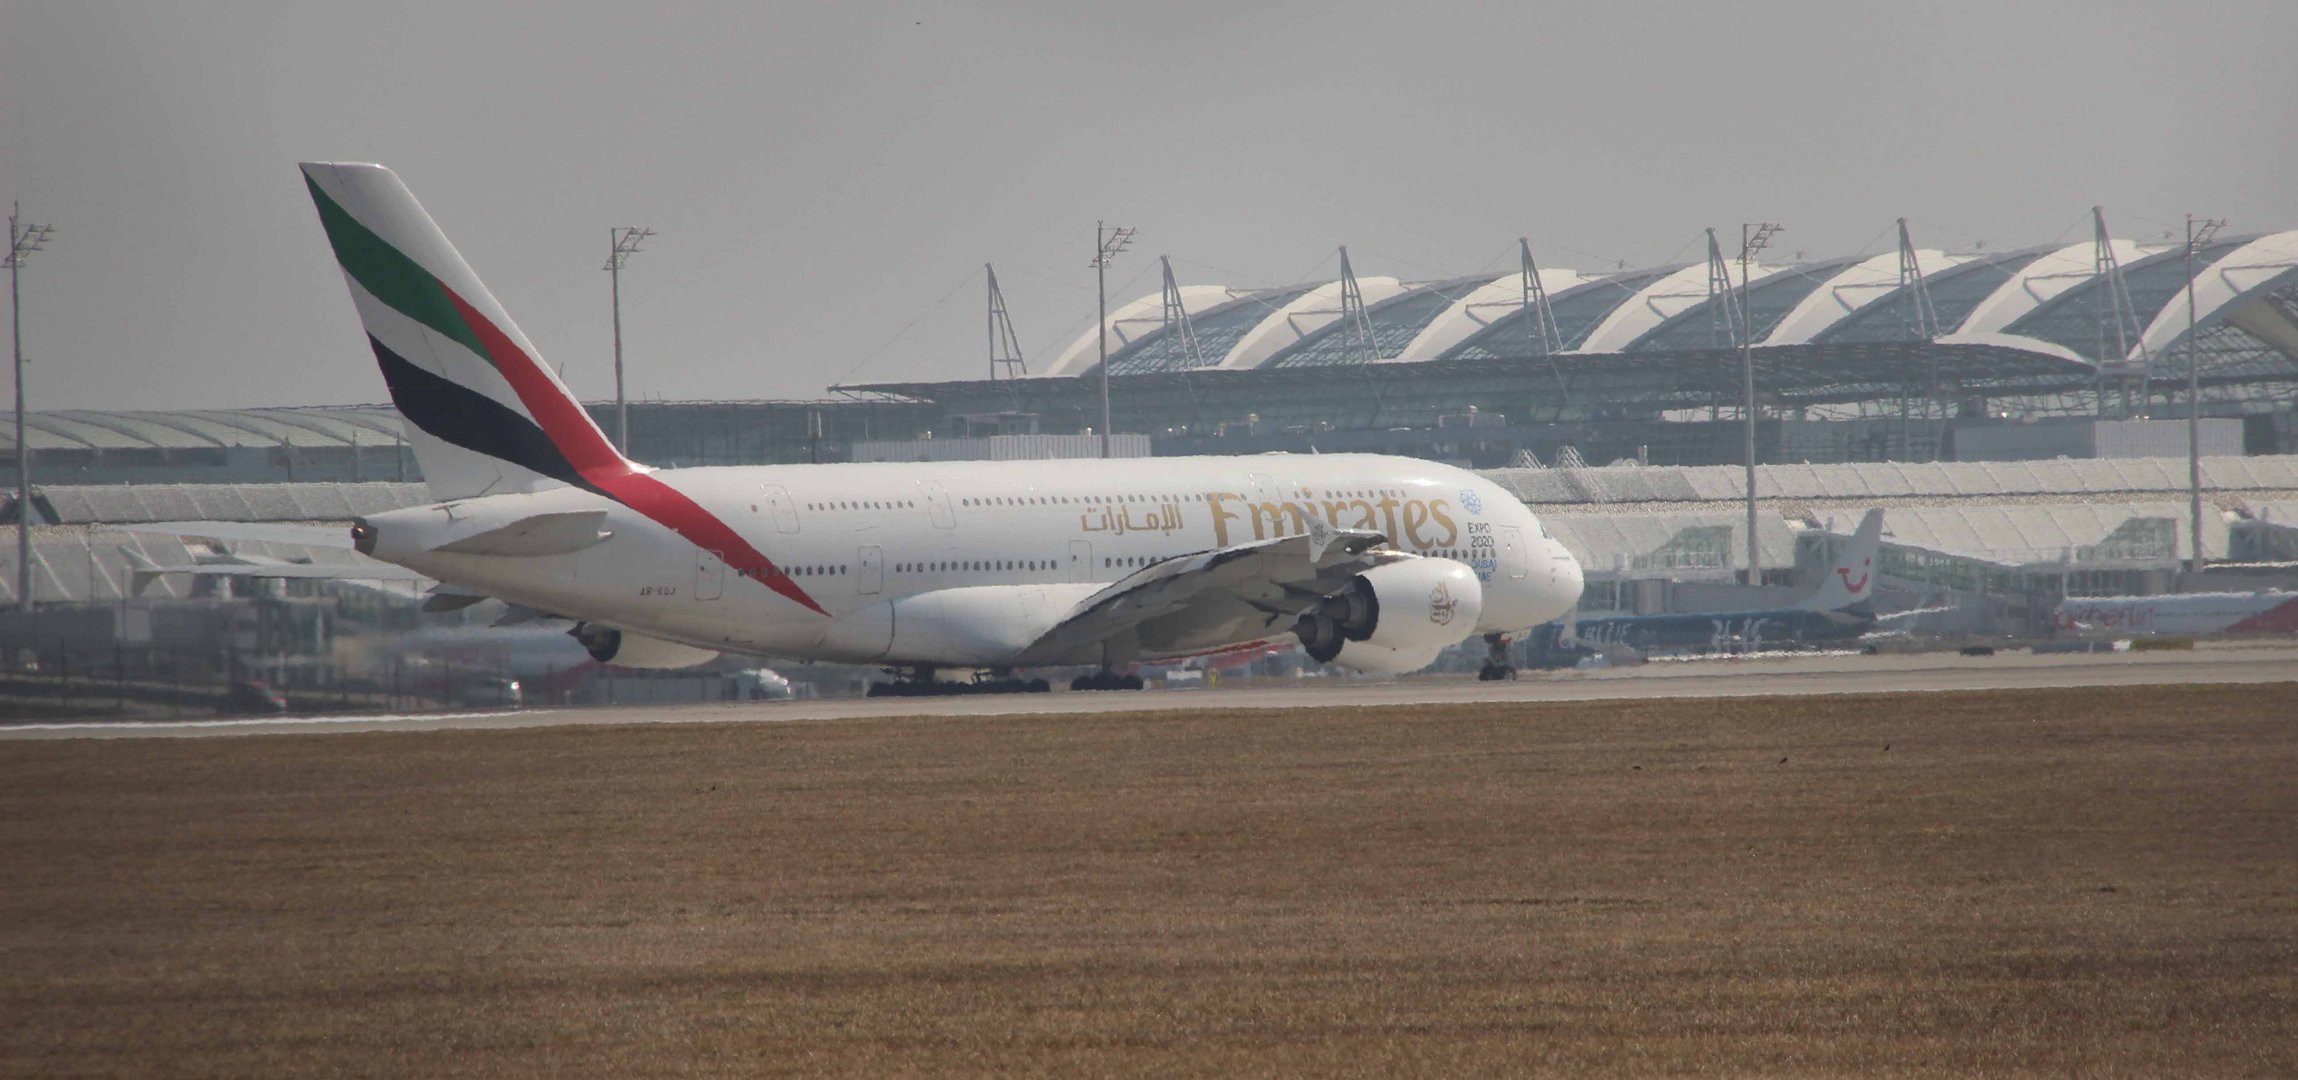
58,677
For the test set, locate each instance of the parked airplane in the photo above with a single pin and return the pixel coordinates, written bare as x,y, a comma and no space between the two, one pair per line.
1375,562
2180,613
1840,610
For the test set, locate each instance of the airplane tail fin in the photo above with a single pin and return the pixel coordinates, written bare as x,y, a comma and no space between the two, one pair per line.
482,411
1851,581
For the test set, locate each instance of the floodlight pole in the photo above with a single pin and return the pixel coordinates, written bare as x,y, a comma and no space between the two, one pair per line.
1752,239
622,244
1107,242
22,241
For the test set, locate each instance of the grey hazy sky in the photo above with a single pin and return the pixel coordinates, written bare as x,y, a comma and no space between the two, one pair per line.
829,178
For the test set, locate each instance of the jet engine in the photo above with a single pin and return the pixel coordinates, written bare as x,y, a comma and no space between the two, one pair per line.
1395,617
608,645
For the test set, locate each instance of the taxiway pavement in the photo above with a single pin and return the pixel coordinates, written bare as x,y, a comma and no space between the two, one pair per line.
1723,677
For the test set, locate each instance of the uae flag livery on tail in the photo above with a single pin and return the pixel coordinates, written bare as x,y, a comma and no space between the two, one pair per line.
484,415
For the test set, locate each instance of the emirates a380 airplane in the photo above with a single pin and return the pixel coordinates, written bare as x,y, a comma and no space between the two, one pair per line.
1376,562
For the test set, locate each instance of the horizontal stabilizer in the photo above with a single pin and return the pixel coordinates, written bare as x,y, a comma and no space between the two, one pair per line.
520,615
543,534
321,536
143,571
450,598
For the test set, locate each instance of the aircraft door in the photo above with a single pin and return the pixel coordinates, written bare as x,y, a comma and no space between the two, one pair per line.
1514,560
709,575
1081,560
938,504
780,507
869,570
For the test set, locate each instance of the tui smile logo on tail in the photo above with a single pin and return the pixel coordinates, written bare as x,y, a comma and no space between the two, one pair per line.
1860,585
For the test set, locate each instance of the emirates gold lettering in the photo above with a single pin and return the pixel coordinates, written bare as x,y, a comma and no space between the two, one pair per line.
1451,533
1415,519
1423,523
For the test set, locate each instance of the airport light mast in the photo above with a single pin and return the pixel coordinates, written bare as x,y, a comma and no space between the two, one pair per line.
624,244
1752,238
23,240
1107,243
2198,233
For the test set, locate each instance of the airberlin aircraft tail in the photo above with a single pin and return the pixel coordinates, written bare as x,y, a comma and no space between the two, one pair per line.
484,414
1851,581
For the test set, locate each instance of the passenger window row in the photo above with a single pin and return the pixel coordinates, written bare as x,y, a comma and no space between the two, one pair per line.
965,565
1075,500
1070,500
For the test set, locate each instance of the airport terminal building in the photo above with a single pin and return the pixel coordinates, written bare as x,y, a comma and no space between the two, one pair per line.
2016,413
1914,354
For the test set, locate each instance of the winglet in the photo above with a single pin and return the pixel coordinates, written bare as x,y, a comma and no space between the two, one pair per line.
141,571
1321,537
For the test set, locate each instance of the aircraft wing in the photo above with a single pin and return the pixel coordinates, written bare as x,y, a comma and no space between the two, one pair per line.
1192,603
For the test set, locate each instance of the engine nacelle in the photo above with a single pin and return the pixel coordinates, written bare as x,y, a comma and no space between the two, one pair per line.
1395,617
608,645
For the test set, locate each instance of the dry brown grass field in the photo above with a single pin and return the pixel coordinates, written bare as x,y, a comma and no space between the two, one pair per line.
2080,882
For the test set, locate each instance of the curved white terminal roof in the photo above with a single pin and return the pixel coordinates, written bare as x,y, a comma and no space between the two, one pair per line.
1138,319
1856,286
2248,284
2226,285
2041,282
1657,302
1308,313
1494,300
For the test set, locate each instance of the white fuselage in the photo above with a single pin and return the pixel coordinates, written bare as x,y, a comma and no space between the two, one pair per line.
968,563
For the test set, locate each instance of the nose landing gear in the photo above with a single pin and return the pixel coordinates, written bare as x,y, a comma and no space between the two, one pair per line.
1495,667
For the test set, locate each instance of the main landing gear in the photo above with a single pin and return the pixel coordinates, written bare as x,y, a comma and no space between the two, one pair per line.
921,683
1495,667
1105,680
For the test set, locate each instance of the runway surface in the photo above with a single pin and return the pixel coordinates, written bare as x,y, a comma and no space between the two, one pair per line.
2220,663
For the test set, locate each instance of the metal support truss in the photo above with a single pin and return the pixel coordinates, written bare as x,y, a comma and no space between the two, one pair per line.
1358,326
2118,322
1004,348
1922,323
1724,317
1922,318
1180,341
1539,319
